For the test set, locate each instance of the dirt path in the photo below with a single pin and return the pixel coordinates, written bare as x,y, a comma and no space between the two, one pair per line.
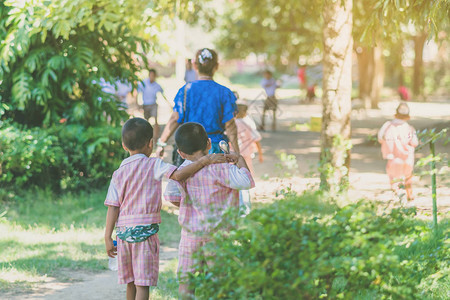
368,180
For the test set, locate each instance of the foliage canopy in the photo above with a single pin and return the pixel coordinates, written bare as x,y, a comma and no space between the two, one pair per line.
53,54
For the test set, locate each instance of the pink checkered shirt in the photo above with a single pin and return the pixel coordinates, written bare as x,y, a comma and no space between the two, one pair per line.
136,189
211,191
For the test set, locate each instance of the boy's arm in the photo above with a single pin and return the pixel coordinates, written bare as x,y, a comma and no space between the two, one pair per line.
414,140
189,170
112,201
111,219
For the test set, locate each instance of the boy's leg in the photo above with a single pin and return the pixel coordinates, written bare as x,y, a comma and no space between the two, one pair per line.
408,182
131,291
142,292
262,127
186,264
274,120
145,262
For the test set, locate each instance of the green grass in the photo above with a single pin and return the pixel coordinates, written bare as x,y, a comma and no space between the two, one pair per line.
43,234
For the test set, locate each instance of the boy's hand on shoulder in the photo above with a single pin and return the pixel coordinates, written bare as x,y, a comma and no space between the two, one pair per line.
232,157
111,250
212,159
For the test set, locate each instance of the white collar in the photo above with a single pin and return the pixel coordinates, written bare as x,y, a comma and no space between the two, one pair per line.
398,121
132,158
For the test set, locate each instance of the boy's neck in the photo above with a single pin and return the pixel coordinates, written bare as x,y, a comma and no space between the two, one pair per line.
197,155
135,152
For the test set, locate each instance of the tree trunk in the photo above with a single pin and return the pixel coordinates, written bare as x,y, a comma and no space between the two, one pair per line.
419,42
377,76
371,74
337,87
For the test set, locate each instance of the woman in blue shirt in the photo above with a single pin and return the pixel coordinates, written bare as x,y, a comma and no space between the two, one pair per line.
206,102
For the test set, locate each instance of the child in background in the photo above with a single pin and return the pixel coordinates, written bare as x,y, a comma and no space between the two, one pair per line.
248,137
150,89
398,142
134,202
249,142
204,198
190,75
270,85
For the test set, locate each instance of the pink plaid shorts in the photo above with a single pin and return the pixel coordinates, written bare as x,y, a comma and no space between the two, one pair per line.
139,262
187,261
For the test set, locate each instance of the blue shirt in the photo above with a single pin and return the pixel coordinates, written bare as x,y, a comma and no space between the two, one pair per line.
149,91
209,104
269,85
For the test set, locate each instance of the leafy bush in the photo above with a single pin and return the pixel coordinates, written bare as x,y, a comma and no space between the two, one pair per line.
92,154
54,53
29,156
62,157
303,248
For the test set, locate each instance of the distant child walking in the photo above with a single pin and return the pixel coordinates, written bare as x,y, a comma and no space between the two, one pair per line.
190,75
398,142
248,137
150,89
203,199
134,203
270,85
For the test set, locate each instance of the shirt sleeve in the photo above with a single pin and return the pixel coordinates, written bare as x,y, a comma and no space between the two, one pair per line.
163,169
256,136
382,131
140,87
229,106
160,89
112,198
414,140
173,192
238,179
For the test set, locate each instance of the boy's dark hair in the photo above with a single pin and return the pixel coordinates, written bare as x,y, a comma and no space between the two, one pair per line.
268,72
136,133
152,71
206,61
402,109
242,108
191,137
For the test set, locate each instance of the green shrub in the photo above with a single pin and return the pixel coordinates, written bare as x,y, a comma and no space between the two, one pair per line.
29,157
297,248
92,153
61,157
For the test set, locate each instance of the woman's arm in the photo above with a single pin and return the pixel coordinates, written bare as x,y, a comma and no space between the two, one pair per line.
169,129
231,129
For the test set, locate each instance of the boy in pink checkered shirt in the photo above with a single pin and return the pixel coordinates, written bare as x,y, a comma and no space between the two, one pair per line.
134,203
203,198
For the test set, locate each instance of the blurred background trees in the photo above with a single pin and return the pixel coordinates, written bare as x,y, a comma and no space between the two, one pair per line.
289,34
54,53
